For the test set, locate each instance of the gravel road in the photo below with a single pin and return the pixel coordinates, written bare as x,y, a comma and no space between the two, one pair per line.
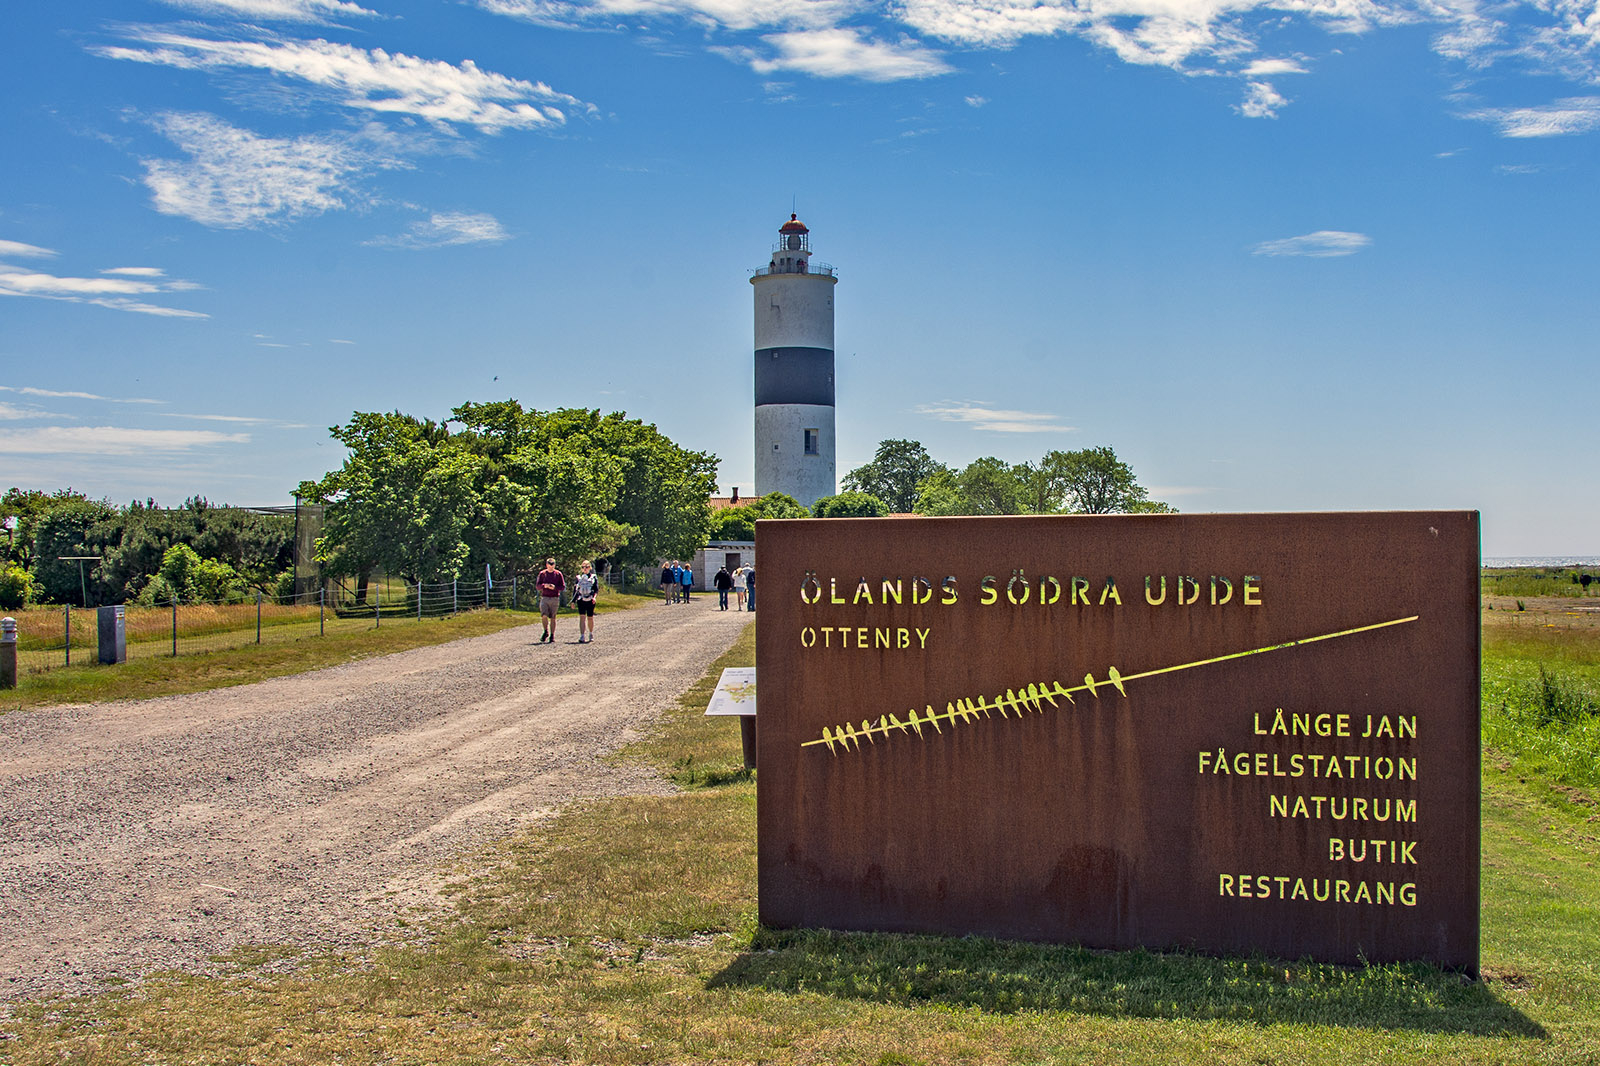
310,810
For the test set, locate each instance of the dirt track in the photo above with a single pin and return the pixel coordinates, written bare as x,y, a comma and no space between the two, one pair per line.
309,810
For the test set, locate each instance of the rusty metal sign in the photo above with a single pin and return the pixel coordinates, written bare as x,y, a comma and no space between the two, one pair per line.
1222,733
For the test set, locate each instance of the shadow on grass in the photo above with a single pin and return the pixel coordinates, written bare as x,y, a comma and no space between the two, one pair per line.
1005,976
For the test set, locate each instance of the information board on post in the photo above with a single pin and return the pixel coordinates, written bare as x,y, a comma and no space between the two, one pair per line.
1220,733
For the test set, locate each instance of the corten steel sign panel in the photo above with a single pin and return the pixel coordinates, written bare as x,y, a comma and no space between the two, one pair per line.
1227,733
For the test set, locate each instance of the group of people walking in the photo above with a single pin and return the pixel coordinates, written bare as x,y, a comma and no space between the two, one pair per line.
551,583
677,579
742,583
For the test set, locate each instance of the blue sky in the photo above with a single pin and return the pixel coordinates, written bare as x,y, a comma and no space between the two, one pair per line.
1279,255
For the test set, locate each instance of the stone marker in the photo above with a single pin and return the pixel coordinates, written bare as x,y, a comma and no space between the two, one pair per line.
1223,733
8,652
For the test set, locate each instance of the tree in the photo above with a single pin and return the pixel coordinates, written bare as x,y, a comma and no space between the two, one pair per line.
850,505
940,496
897,470
24,508
739,523
544,487
1097,482
654,492
402,501
65,530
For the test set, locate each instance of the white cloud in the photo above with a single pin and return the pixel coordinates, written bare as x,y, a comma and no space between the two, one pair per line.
275,10
1578,114
1261,101
235,179
25,251
443,229
27,390
110,440
1323,244
442,93
243,420
727,14
136,272
11,412
982,416
117,293
992,23
1268,68
842,52
1213,37
976,101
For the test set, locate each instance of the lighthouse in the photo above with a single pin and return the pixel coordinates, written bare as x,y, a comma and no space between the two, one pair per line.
794,370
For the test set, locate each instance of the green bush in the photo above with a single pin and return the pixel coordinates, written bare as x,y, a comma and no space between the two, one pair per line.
850,505
187,578
16,587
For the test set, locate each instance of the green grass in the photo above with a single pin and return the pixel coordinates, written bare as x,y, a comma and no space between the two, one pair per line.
287,649
624,932
1541,703
1539,581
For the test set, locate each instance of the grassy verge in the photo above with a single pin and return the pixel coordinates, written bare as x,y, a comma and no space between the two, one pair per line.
287,653
1541,704
623,932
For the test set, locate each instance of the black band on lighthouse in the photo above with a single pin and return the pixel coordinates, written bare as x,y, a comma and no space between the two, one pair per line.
794,375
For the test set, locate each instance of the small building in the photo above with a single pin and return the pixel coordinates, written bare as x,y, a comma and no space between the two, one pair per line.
730,553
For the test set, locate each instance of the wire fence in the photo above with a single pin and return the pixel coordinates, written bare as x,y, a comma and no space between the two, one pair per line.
51,637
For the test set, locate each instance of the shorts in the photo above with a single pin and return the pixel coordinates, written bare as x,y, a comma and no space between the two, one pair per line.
585,607
548,605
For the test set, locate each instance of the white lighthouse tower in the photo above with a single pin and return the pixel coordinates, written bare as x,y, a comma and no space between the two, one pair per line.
794,370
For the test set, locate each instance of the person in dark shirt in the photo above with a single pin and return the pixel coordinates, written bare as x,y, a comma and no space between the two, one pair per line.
723,582
550,584
669,584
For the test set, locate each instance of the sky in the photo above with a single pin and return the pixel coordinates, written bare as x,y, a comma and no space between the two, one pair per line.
1281,255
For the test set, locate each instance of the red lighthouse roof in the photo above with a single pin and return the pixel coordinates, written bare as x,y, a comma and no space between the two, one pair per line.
794,225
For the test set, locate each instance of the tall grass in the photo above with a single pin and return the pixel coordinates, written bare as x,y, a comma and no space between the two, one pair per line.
1540,581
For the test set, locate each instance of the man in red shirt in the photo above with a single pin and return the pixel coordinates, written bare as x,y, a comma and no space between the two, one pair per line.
550,583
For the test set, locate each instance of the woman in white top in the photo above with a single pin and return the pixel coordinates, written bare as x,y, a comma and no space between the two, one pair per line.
739,585
585,588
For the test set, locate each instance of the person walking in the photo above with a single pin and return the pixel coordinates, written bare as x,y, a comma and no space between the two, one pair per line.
585,590
677,581
550,584
724,583
688,581
739,585
750,584
669,584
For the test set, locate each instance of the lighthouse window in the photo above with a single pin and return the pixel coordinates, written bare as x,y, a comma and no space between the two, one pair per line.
811,442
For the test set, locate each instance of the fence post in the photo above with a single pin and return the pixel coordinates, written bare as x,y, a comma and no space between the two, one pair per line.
69,634
322,609
487,584
513,590
258,616
174,629
419,599
455,595
377,605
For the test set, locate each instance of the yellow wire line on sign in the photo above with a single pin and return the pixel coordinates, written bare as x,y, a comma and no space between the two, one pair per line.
1033,698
